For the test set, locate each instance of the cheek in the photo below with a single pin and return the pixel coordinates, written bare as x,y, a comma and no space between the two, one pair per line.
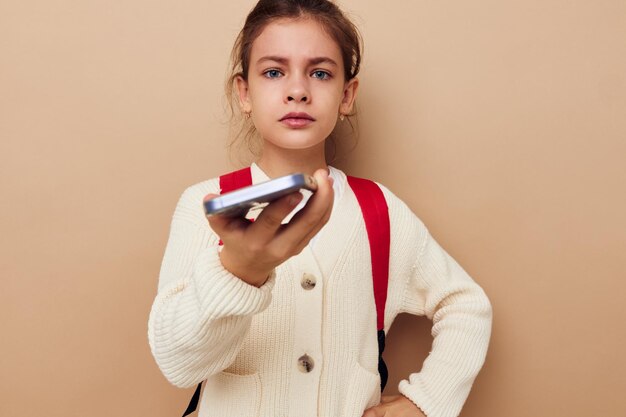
262,95
335,96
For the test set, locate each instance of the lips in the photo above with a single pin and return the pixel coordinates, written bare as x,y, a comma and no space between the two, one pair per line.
297,120
294,115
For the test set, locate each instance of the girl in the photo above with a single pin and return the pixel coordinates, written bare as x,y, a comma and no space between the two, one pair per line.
278,316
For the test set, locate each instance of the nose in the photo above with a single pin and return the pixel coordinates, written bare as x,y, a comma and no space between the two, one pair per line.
297,90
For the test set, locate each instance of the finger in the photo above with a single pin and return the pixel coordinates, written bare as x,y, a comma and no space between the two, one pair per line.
224,225
269,221
322,199
313,216
326,197
294,241
314,231
315,228
321,223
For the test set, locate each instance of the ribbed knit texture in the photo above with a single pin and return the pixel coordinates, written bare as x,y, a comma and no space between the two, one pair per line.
207,324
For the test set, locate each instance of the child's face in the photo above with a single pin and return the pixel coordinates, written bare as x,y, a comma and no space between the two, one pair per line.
295,67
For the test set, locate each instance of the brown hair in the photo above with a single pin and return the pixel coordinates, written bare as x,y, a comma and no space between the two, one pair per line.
325,12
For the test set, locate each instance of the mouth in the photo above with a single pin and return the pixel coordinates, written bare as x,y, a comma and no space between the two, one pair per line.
297,120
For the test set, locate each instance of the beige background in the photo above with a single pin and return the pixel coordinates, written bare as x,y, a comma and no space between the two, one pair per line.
501,123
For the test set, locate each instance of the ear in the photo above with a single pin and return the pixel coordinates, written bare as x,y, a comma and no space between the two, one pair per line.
243,94
349,95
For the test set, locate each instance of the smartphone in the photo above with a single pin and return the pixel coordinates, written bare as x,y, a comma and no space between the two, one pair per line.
237,203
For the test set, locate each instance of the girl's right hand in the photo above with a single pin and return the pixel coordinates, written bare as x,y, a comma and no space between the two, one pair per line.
252,250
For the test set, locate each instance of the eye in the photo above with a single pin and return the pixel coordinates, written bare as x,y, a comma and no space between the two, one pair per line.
322,75
272,73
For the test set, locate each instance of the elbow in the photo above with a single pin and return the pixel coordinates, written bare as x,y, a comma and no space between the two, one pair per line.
172,365
185,369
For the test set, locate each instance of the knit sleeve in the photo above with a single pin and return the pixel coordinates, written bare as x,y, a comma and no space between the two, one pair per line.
202,312
439,288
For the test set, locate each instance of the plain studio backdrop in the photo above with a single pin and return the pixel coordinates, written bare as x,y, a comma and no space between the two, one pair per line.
501,123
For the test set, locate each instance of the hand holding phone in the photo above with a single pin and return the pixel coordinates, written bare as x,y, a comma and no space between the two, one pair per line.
251,251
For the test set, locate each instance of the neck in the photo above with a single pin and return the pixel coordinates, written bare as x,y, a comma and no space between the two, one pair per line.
276,162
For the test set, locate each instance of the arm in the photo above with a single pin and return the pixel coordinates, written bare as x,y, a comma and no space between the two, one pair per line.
436,286
461,315
202,312
207,298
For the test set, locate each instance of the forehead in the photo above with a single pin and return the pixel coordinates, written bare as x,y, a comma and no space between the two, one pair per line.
293,39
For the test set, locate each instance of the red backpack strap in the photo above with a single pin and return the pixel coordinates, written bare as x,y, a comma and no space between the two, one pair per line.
376,215
235,180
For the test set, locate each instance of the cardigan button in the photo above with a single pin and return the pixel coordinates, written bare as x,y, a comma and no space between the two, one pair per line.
305,364
308,281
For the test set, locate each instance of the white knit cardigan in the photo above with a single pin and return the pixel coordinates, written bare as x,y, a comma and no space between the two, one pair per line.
248,342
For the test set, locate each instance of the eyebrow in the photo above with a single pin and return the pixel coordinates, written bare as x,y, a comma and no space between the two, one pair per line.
311,61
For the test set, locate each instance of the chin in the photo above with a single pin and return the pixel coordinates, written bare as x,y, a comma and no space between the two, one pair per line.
293,146
297,141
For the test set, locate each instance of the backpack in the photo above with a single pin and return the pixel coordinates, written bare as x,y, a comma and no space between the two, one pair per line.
376,216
